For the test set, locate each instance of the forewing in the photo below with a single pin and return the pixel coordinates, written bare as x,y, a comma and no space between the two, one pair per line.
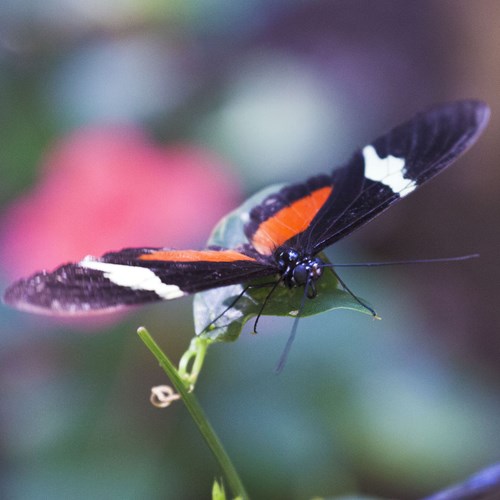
291,213
398,163
132,277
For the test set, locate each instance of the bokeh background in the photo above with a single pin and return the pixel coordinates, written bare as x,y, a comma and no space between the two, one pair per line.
132,122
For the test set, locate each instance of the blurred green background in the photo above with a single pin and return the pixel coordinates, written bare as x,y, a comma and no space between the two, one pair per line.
141,123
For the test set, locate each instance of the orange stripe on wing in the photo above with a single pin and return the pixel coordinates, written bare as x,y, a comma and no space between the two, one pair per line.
196,256
289,221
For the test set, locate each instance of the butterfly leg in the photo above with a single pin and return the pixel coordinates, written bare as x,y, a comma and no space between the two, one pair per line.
234,302
357,299
311,290
275,285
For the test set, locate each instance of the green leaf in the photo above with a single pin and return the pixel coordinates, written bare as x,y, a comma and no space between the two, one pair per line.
209,305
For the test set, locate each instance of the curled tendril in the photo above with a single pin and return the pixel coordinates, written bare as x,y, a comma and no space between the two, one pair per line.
163,396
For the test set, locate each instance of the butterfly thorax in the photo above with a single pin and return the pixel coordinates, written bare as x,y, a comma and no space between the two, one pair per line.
297,269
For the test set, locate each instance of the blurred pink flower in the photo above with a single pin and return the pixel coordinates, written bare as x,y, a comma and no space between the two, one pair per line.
103,189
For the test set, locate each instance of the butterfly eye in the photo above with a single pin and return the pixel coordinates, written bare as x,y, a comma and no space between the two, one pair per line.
301,274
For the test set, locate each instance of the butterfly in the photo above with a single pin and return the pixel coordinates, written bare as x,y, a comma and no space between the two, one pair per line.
285,232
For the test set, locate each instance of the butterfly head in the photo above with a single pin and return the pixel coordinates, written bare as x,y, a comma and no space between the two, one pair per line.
297,269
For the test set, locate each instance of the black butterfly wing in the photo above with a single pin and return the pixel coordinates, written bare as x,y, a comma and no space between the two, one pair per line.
324,209
132,277
399,162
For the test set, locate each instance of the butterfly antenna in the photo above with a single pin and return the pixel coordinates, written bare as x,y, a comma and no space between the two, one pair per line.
284,355
402,262
275,285
357,299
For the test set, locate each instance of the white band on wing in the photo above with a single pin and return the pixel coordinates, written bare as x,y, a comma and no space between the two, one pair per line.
135,277
389,171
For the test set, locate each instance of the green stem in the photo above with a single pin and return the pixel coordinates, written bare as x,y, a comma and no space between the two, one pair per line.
196,352
197,415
